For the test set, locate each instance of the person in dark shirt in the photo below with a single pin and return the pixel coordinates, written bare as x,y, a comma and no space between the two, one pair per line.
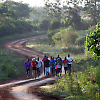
46,62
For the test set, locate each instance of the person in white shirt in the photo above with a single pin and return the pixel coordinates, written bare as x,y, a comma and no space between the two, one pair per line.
39,65
70,59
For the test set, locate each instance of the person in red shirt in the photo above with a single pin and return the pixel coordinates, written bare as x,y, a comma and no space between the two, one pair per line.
65,62
34,64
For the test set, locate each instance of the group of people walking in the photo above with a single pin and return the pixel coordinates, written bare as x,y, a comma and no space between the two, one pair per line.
54,65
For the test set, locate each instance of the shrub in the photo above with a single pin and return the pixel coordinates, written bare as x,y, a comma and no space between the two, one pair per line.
54,25
44,24
50,33
65,37
80,41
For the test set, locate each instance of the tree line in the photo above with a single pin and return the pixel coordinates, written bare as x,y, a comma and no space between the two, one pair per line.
12,18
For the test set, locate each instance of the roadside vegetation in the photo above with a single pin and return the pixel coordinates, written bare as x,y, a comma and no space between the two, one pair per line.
84,81
10,65
67,28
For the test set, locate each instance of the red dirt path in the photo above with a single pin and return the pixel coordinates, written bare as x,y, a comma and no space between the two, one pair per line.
24,52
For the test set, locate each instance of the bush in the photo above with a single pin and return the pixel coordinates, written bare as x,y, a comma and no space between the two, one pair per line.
10,65
80,41
65,37
50,33
44,24
54,25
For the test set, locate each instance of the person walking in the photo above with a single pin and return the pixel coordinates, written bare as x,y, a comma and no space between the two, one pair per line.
39,65
70,59
27,67
34,64
43,62
52,65
59,66
65,62
46,62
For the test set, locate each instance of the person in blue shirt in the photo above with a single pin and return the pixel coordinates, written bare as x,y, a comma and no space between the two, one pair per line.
52,65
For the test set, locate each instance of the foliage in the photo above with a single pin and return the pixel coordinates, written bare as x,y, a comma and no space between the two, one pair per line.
50,33
20,36
74,18
80,41
65,37
44,24
10,65
53,9
93,42
55,24
9,22
14,26
19,9
78,86
92,9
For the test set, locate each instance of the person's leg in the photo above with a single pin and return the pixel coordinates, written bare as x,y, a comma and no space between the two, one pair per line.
44,69
28,72
60,71
38,72
48,70
33,73
69,69
65,68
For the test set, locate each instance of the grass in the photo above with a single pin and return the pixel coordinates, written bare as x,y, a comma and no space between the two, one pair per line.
20,36
11,65
42,45
78,86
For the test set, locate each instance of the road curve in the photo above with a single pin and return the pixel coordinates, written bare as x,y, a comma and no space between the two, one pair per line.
20,92
18,47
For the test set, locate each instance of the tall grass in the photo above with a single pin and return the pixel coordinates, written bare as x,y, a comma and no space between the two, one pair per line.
11,65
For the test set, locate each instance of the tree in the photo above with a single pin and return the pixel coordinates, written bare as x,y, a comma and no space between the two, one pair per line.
93,42
20,9
53,9
92,8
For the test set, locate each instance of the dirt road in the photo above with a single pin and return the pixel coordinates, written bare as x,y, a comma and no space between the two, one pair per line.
18,89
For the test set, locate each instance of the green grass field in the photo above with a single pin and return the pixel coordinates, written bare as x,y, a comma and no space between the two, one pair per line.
11,65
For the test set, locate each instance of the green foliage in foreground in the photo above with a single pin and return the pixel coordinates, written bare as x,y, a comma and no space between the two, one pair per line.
93,42
78,86
11,65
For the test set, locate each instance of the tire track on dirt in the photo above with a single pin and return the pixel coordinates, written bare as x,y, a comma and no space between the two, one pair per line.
24,52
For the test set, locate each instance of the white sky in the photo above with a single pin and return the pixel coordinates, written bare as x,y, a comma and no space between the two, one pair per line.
35,2
32,2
